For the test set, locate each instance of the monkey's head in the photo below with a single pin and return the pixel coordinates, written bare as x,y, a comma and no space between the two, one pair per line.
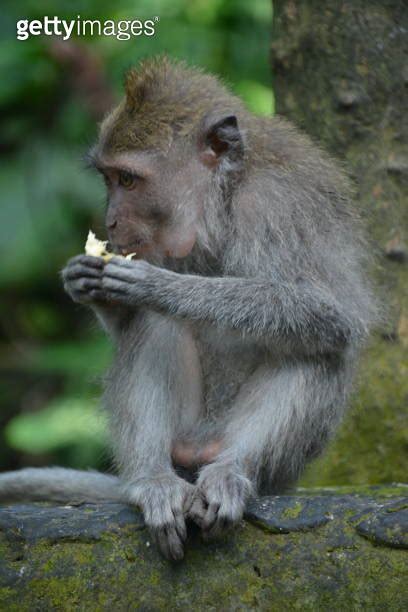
167,152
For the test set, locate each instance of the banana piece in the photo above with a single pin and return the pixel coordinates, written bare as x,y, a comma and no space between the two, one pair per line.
97,248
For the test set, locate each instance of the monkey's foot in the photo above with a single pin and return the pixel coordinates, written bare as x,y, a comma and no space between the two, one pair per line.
164,500
219,498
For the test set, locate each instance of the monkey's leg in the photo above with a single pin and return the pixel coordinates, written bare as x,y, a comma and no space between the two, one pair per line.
154,397
280,418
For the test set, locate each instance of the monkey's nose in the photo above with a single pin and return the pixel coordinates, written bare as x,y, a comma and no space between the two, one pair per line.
112,224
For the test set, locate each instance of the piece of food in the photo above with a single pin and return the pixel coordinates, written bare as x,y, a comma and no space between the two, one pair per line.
98,248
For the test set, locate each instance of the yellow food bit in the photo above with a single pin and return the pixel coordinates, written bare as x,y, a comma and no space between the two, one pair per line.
97,248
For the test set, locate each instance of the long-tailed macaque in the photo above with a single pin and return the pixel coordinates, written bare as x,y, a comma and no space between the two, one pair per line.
238,325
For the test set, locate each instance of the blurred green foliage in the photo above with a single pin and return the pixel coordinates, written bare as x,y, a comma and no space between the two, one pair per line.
67,421
51,355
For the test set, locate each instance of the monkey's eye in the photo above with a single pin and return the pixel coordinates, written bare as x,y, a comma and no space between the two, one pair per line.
107,180
127,180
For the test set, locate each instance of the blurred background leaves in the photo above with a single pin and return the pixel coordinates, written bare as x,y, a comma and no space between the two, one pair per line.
51,352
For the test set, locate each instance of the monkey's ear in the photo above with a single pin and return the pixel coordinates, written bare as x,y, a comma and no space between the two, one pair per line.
222,139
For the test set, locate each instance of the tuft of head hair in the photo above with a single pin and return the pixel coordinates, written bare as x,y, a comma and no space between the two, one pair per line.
163,98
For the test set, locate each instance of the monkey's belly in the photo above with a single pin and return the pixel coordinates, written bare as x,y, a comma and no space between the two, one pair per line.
226,363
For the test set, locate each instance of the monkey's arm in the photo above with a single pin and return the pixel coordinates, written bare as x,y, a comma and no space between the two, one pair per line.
300,314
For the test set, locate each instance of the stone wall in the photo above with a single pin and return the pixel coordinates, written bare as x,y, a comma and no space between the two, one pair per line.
315,550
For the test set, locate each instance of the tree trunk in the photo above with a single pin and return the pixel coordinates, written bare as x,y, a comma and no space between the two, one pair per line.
341,73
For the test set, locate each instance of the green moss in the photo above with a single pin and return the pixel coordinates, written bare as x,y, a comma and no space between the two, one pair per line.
370,447
331,567
292,513
397,508
8,599
377,491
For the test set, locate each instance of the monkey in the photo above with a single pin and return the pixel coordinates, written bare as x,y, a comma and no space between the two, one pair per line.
238,326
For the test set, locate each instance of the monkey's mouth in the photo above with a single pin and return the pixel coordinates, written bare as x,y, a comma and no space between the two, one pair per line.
136,246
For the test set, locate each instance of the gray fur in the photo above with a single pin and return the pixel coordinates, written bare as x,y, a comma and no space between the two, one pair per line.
252,338
59,484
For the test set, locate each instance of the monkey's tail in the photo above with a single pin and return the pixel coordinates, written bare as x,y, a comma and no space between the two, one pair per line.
59,485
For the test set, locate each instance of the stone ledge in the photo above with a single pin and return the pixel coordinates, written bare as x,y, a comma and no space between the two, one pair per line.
315,549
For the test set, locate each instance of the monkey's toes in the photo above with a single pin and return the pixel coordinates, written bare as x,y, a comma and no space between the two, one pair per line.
169,542
163,500
169,534
219,499
214,517
197,510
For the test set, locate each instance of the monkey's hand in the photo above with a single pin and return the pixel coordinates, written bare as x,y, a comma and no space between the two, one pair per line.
164,501
82,279
128,282
219,498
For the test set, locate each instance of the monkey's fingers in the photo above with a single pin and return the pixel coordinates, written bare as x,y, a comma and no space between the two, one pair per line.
85,290
83,285
79,271
180,525
118,293
197,510
127,270
117,269
227,512
115,285
86,260
210,517
217,523
169,542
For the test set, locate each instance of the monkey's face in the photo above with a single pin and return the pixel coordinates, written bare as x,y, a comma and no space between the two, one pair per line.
154,202
157,198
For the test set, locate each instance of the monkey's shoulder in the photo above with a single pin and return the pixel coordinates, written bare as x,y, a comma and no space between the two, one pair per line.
279,149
